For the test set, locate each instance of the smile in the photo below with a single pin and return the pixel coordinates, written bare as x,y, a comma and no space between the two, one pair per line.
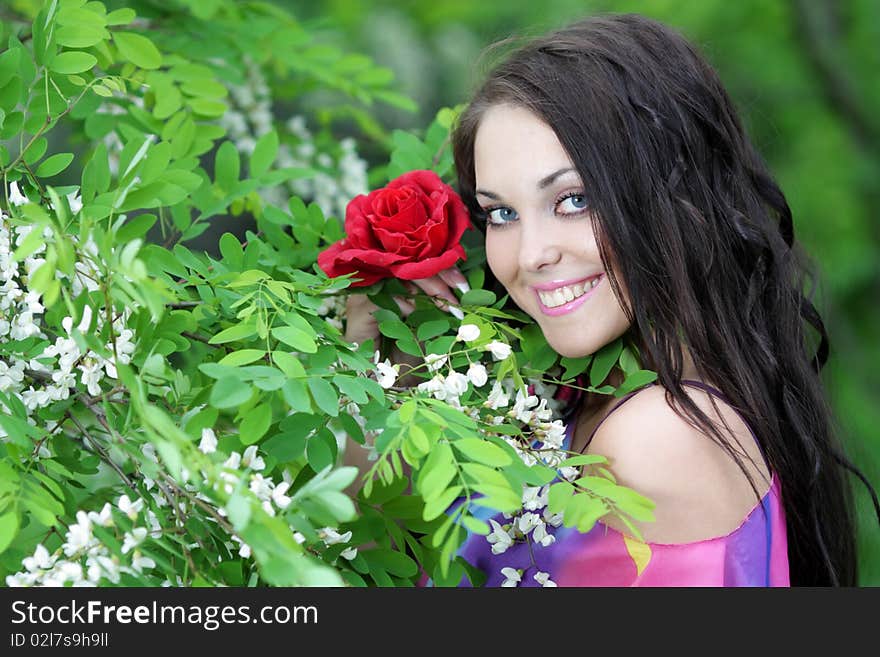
565,298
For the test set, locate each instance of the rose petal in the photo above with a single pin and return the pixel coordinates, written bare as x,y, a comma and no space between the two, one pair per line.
409,271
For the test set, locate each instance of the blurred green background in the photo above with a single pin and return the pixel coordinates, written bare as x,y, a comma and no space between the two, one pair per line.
805,75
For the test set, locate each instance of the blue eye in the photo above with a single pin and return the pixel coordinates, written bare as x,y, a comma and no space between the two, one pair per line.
500,215
577,203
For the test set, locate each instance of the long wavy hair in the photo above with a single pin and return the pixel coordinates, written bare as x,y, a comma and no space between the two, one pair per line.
703,239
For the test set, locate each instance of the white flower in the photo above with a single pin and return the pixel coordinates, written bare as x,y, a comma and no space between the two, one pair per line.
129,508
75,202
456,384
260,486
331,537
79,536
434,386
251,460
104,518
139,562
208,443
500,350
533,499
552,519
541,536
527,522
468,333
544,580
435,362
41,560
521,405
15,195
91,375
477,374
281,500
133,538
349,553
499,538
512,577
386,373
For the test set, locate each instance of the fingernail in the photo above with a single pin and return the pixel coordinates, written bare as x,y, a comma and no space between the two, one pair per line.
463,286
456,312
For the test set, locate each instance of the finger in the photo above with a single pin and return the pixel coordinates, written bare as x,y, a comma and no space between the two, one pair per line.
435,287
406,308
454,278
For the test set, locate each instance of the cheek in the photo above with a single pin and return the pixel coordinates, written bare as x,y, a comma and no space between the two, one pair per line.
499,258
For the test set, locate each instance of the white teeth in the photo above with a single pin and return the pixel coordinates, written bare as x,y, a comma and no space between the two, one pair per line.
565,294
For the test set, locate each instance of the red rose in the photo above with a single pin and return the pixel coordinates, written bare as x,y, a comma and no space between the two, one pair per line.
409,229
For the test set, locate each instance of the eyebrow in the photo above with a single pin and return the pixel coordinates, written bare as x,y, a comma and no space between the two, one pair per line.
543,183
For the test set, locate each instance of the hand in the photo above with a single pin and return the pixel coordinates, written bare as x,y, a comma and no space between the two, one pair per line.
361,325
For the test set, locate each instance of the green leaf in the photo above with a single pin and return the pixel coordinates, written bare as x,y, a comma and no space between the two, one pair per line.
73,62
558,496
478,298
54,165
121,16
396,563
603,361
296,395
229,392
482,451
242,357
440,503
325,395
319,453
296,338
9,65
240,331
284,447
636,380
475,525
226,166
289,364
137,49
433,479
264,154
432,329
255,424
80,36
583,459
582,511
8,529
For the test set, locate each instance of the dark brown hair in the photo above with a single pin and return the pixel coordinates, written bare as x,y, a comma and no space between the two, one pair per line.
703,239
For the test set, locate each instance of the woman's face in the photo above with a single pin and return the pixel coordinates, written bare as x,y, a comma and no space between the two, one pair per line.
539,237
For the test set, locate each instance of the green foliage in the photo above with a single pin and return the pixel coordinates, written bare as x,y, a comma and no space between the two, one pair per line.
183,408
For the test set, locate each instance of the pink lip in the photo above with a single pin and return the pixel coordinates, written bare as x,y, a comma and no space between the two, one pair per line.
566,307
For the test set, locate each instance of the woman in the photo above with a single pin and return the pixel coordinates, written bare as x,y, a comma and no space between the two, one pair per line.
620,195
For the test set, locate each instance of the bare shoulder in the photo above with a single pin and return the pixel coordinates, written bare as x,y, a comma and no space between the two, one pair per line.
699,490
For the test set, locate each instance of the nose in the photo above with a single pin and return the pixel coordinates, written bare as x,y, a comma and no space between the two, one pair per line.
539,245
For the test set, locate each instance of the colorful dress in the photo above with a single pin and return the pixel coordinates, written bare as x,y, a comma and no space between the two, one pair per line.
753,554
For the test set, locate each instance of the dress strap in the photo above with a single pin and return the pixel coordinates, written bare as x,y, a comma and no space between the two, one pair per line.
697,384
625,399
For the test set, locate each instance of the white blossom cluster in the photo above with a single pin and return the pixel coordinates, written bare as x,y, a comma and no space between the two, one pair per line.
273,496
83,560
544,437
56,372
338,178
